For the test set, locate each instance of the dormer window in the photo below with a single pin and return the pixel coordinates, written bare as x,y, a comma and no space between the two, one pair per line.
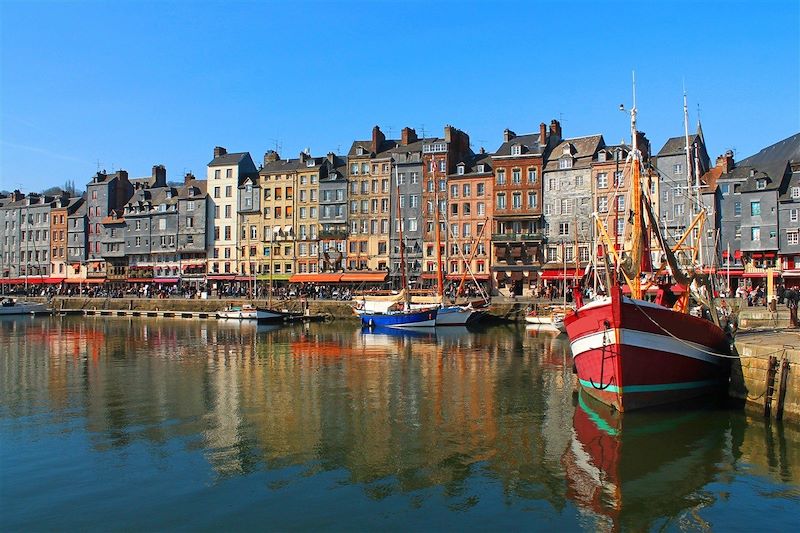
360,150
481,168
516,149
567,150
310,163
601,156
169,194
565,162
761,184
460,169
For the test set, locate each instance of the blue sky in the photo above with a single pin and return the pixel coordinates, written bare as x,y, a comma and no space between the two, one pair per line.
133,84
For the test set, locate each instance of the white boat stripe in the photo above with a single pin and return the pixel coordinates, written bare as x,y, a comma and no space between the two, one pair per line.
643,339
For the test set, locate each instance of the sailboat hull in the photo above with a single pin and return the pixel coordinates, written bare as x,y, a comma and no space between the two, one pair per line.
632,354
400,319
457,315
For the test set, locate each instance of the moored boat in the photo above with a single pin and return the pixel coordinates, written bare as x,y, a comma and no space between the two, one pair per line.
401,319
632,353
251,312
551,317
10,306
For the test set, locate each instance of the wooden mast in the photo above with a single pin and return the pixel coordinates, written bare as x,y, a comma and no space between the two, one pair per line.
637,233
438,233
404,281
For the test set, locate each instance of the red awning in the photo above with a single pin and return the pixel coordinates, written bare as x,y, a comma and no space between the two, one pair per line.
140,280
737,254
374,277
322,277
559,274
166,280
54,281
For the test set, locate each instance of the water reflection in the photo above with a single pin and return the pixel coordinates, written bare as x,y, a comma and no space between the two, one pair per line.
477,417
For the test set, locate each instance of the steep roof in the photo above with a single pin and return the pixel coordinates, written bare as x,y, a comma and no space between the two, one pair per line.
582,150
386,146
529,142
773,159
471,166
281,166
227,160
677,145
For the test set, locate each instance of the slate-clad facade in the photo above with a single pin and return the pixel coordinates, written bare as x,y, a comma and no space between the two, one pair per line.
406,192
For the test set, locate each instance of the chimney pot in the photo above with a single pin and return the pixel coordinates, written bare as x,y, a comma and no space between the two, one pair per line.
542,134
219,151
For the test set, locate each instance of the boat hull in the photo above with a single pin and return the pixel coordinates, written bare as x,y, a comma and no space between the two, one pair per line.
260,315
457,315
633,354
402,319
23,308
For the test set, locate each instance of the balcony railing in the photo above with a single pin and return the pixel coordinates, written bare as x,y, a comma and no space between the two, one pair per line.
340,234
515,237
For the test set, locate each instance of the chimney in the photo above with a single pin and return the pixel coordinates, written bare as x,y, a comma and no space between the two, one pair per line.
219,151
725,162
159,176
482,150
508,135
542,134
303,156
189,177
271,157
331,158
555,130
16,196
123,175
409,136
377,139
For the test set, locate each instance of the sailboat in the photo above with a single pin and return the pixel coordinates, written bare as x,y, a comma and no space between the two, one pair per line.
399,314
253,312
452,314
632,353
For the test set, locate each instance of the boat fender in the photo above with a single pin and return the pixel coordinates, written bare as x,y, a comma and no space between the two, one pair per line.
371,323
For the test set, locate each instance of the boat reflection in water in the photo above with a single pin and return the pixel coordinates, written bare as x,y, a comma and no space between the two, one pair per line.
618,465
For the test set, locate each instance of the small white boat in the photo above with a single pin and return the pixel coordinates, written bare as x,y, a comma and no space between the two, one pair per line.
550,317
251,312
11,306
458,315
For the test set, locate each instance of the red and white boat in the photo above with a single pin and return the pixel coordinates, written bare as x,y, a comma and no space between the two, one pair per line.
630,352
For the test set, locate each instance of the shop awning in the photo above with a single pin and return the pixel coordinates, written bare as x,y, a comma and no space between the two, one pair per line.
482,277
54,281
791,273
360,277
140,280
87,281
222,277
322,277
166,280
559,274
775,274
275,277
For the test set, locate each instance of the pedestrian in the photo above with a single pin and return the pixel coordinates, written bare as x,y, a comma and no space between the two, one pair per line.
792,297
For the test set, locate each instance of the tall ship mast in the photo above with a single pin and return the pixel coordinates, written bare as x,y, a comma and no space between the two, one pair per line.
638,345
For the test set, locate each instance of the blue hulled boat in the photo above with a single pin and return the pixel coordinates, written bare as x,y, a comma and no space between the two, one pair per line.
401,319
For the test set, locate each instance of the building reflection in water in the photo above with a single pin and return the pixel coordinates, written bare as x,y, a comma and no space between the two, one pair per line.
393,412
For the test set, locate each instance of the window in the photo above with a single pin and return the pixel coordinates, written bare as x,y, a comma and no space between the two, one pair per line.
755,233
481,208
548,208
602,204
552,254
441,165
621,203
755,208
793,215
724,188
467,190
565,162
579,181
602,180
216,192
533,200
228,191
501,177
480,189
619,179
531,175
761,184
566,206
796,193
737,209
501,201
677,168
552,184
516,200
792,237
563,228
454,191
516,176
460,169
516,149
620,226
679,210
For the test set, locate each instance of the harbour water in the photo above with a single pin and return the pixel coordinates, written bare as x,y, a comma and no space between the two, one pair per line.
117,424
